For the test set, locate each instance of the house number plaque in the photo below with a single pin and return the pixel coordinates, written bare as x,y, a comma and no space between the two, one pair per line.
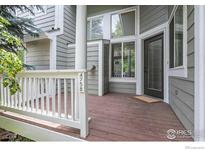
82,86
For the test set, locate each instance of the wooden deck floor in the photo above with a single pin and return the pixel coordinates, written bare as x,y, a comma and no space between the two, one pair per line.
119,117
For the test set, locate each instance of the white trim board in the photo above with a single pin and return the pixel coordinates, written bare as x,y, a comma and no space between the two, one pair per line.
53,48
140,59
199,77
34,132
100,69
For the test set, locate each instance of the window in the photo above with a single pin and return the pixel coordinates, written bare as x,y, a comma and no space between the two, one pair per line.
123,24
178,42
123,60
95,28
176,38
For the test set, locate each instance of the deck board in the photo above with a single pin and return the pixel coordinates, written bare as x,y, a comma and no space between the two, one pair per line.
119,117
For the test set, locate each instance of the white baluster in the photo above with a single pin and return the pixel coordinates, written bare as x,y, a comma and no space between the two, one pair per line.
5,97
37,94
72,92
42,96
65,99
24,90
20,94
59,97
47,96
32,93
8,97
53,96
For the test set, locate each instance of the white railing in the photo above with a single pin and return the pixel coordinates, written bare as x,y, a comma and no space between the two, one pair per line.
58,96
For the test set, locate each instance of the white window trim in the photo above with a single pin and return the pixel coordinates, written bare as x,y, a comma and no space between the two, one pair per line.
121,79
180,71
107,35
107,21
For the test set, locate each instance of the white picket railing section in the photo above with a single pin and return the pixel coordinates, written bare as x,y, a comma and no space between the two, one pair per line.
58,96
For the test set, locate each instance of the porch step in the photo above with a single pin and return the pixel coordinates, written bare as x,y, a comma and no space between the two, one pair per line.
147,99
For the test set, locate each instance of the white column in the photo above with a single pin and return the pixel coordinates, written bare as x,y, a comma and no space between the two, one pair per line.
199,102
81,63
139,65
81,38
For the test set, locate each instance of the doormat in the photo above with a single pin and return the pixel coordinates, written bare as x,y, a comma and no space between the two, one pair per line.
147,99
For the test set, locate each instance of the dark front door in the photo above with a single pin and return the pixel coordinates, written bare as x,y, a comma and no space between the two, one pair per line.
153,66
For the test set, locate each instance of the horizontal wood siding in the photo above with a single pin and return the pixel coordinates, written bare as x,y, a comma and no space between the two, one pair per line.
92,59
38,54
122,87
44,21
152,16
64,59
181,92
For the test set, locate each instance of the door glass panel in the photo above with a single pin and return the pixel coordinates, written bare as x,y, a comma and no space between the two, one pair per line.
129,59
116,60
155,65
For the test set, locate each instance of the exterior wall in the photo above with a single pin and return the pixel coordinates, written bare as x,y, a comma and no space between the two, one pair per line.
94,10
92,59
44,21
38,54
63,58
181,92
122,87
152,16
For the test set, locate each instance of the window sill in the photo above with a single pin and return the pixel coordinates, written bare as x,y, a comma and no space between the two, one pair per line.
180,71
131,80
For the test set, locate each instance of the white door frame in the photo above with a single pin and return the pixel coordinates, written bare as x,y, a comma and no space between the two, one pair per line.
140,59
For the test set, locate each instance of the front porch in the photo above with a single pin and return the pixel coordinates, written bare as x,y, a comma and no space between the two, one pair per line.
118,117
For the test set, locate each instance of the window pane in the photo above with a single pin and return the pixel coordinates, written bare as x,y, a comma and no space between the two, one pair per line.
123,24
179,36
129,59
97,28
171,44
116,60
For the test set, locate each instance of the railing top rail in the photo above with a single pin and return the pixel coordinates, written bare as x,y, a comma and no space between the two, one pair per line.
56,71
51,73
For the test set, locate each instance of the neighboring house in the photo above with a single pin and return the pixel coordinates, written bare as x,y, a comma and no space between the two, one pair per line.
139,50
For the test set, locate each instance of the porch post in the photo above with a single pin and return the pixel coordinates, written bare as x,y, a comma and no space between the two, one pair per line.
199,101
139,66
81,63
81,38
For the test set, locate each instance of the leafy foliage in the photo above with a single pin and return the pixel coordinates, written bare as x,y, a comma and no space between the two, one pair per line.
10,64
12,31
18,26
